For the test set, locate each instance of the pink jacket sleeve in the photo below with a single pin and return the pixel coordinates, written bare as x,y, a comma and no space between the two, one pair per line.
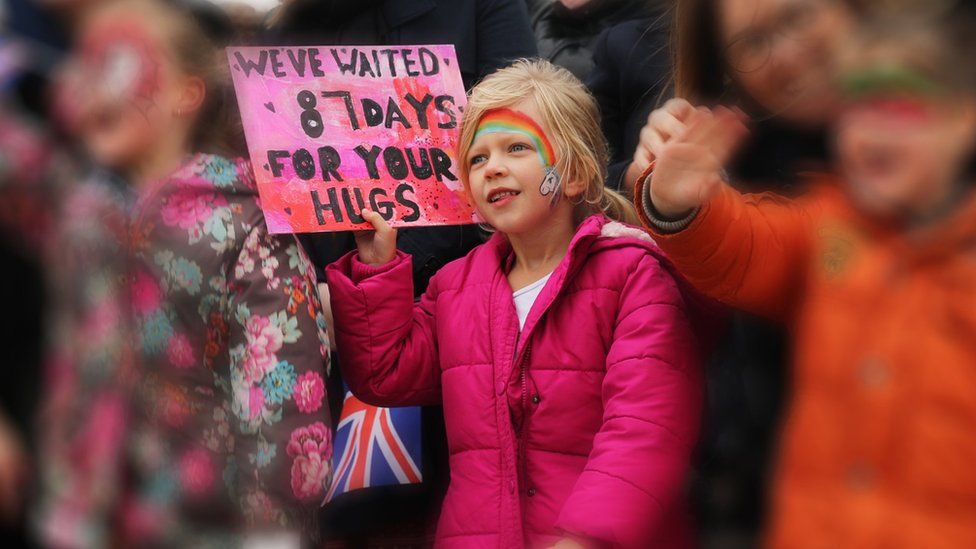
387,345
652,396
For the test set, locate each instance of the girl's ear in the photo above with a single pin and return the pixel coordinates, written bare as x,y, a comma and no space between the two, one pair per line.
192,95
574,188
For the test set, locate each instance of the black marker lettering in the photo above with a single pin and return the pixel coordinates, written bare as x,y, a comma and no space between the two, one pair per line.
277,65
442,164
369,159
297,58
396,164
386,209
401,197
394,114
329,160
346,68
421,170
347,99
276,167
428,62
420,107
440,103
249,65
332,205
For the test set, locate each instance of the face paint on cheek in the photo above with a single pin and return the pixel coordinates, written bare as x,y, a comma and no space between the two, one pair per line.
510,121
123,62
552,184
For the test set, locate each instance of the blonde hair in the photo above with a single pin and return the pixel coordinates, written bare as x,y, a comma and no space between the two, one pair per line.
571,114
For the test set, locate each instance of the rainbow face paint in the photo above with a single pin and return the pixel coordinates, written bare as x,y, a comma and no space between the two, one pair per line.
510,121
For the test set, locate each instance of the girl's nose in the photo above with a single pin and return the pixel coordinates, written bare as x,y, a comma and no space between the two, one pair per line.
494,168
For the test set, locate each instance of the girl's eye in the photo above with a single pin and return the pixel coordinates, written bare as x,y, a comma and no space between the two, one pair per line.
518,147
478,159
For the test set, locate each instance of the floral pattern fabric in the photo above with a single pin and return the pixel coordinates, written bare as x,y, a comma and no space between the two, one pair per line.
232,342
184,393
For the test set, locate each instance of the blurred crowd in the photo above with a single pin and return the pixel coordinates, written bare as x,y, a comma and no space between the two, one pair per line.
170,373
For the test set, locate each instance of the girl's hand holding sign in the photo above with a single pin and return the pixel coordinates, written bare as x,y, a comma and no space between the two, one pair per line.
376,247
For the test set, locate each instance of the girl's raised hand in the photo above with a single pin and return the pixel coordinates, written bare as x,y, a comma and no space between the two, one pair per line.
378,246
688,168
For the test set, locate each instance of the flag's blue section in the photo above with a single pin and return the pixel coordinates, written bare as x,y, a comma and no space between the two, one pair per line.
375,447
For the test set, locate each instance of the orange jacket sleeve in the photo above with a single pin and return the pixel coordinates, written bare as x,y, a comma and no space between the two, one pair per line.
748,251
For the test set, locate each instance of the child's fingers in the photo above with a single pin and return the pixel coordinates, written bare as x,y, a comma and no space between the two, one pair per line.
376,220
728,134
665,124
713,132
385,234
679,108
363,238
700,128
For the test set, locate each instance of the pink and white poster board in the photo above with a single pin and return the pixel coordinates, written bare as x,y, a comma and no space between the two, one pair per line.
331,130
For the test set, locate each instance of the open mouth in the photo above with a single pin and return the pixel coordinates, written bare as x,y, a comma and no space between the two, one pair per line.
879,164
501,195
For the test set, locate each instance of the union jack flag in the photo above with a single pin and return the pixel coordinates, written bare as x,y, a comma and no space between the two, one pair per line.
374,447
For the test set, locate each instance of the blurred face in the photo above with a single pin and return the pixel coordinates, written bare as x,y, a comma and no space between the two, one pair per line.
124,89
902,145
511,172
779,52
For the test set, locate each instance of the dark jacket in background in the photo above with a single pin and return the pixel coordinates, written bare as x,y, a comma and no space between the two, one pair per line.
747,377
21,279
487,35
631,76
566,37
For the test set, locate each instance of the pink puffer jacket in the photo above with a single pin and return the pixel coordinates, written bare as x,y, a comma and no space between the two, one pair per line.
584,424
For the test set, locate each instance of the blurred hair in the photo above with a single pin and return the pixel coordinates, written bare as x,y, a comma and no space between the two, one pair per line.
936,39
571,114
197,32
700,72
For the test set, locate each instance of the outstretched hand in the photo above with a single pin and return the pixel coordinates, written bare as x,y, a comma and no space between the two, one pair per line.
688,169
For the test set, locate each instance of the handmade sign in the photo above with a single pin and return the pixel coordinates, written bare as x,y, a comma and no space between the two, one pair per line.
332,130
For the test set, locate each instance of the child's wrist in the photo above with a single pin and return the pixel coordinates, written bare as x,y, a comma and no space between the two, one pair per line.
665,222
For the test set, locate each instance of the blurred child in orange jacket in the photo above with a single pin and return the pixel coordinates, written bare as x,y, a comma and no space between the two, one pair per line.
875,271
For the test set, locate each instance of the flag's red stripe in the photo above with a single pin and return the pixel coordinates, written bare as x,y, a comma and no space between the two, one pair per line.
344,466
358,479
398,451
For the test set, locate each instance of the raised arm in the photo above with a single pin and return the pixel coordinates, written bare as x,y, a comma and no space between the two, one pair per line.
746,251
387,343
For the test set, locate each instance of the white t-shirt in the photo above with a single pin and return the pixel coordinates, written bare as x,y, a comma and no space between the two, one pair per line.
525,297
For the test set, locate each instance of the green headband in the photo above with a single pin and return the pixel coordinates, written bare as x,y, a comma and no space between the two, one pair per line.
882,79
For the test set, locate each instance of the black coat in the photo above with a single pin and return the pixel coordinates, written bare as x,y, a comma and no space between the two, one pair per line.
567,38
632,74
487,34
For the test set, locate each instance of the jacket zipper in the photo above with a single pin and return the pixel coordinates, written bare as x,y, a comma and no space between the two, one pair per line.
523,429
